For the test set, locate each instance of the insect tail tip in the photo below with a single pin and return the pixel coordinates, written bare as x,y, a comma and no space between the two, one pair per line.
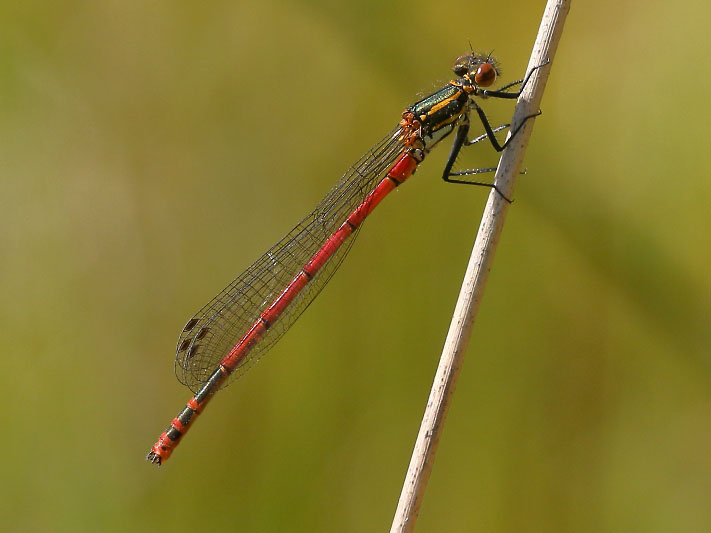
153,458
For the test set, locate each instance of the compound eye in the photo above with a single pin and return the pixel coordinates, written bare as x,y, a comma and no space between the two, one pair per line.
485,75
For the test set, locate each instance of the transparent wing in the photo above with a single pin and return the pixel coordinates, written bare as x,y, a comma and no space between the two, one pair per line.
214,330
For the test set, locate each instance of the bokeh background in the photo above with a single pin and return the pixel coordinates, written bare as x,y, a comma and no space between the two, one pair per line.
152,150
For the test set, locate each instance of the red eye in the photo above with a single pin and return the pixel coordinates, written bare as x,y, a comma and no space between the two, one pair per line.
485,75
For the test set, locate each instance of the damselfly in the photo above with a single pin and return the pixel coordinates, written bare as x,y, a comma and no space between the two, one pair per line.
244,320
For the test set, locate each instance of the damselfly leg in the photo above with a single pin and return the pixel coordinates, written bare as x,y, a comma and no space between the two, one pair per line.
501,91
461,140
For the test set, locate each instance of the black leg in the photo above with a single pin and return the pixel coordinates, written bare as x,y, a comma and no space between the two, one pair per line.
461,140
449,179
490,133
509,85
501,93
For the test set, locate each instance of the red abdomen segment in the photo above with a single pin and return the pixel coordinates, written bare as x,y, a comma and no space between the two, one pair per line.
398,173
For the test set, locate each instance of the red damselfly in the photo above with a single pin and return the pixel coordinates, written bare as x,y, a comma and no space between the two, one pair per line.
244,320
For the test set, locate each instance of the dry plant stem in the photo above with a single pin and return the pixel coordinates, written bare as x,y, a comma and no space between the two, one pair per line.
477,271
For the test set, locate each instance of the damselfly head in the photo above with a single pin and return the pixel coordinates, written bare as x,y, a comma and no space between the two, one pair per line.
482,69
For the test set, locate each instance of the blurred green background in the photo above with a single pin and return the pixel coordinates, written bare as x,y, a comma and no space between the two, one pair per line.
152,150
